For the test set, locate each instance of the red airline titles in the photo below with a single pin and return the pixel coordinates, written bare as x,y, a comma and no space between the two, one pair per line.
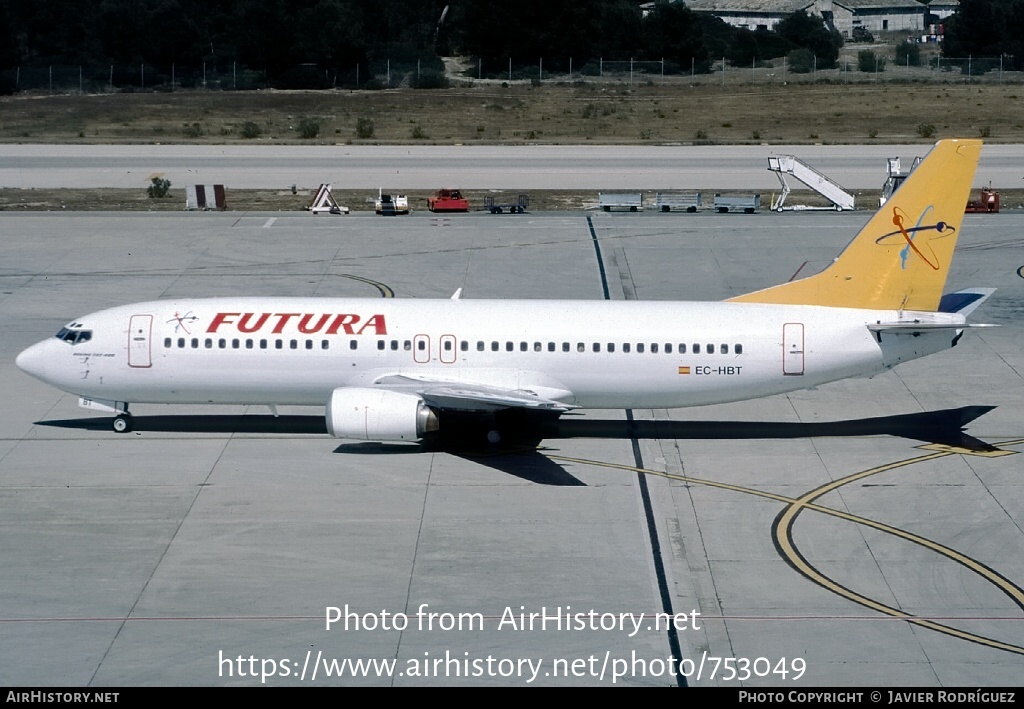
308,323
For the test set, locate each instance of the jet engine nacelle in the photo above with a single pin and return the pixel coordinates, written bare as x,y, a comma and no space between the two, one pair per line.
378,415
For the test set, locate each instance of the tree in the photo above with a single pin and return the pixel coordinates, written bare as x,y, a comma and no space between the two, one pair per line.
674,33
987,28
748,46
809,31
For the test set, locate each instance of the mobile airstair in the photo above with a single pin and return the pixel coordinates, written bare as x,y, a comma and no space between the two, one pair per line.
894,178
783,165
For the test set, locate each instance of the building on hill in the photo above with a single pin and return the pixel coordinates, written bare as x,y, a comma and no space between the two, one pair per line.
878,16
841,15
752,14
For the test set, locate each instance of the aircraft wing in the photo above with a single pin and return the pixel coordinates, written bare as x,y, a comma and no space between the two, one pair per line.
473,396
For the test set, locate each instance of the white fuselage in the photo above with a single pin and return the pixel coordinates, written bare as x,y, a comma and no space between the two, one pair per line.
589,354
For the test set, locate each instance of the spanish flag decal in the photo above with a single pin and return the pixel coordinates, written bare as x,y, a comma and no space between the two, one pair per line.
684,370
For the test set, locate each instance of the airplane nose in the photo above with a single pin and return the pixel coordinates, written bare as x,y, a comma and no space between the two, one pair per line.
33,360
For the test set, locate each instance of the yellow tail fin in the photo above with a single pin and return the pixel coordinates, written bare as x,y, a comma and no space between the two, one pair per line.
900,259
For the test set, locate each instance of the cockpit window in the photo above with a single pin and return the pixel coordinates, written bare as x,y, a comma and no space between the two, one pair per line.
74,336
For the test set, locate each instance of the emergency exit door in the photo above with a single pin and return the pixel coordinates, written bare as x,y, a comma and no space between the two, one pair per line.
793,349
140,331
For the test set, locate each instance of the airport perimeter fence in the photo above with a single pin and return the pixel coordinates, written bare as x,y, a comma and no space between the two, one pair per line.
425,74
428,74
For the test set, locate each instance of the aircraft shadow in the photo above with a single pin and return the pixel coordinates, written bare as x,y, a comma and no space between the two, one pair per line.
518,453
517,458
944,426
206,423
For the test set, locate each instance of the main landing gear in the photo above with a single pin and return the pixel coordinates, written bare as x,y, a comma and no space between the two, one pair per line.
122,423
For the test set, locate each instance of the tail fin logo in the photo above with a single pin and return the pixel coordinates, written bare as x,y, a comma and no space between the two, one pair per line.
910,235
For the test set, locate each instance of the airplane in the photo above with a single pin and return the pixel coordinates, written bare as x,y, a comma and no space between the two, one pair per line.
394,369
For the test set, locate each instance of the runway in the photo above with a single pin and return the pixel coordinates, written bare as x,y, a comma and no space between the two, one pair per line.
850,536
417,167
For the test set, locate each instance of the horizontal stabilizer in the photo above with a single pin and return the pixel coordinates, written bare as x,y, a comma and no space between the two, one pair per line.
964,301
907,327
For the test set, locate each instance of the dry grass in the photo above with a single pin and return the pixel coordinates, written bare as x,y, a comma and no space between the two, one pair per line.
522,114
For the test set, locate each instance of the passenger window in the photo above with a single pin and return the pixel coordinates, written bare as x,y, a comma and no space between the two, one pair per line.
551,347
407,346
668,348
725,349
597,347
494,346
479,345
508,346
309,344
278,344
248,344
536,347
654,348
293,344
625,347
353,344
581,347
181,342
523,347
447,345
235,344
611,346
167,342
325,344
639,347
682,348
711,349
380,344
394,345
263,344
696,348
464,346
565,347
222,343
421,345
738,349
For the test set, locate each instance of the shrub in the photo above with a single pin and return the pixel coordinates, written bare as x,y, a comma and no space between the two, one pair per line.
417,133
364,128
431,79
926,130
159,188
191,130
250,130
868,61
908,53
309,128
801,61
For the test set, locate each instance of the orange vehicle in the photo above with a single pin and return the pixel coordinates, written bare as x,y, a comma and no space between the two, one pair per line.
448,201
988,202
